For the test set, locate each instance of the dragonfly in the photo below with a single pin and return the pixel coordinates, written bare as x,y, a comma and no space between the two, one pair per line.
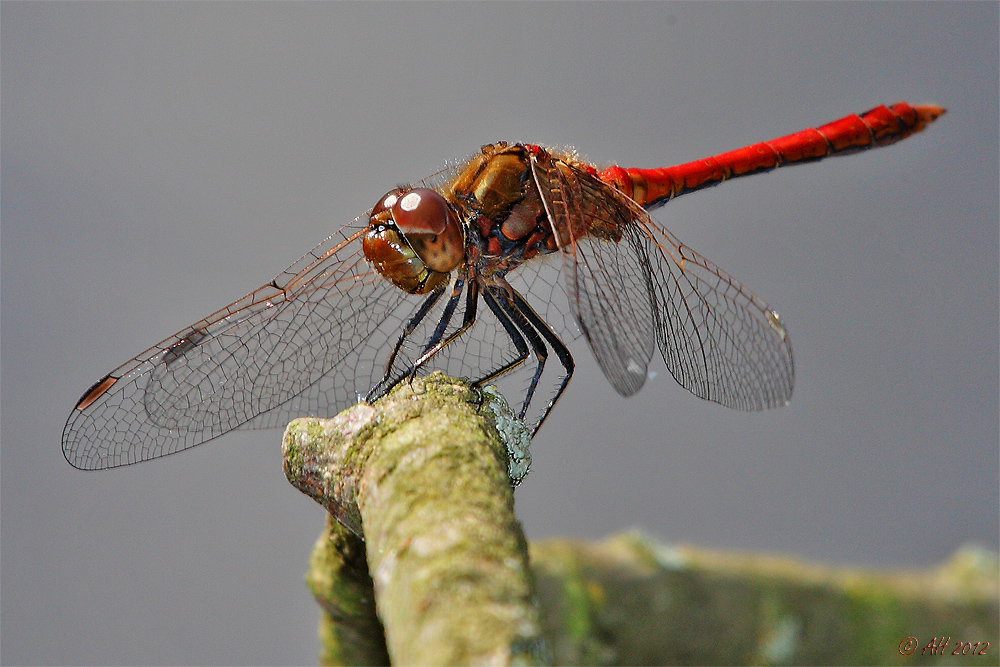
461,272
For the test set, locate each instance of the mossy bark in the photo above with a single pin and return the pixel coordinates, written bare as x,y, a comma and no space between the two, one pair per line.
350,632
630,600
424,476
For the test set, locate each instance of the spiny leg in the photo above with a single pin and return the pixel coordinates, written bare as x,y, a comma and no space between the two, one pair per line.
562,352
512,332
408,330
435,344
449,311
537,345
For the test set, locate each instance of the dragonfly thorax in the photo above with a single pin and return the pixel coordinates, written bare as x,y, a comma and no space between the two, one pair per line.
501,206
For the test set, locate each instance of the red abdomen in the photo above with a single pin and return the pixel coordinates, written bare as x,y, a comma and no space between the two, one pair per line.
879,127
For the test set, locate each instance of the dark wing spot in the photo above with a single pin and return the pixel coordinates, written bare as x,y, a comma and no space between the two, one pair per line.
95,392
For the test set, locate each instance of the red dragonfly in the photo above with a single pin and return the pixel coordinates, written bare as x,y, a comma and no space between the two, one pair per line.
401,291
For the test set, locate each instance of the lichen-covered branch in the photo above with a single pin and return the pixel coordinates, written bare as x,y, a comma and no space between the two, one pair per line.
425,478
630,600
350,632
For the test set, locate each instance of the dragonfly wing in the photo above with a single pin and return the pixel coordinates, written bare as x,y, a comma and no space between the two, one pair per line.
719,340
244,365
311,342
605,269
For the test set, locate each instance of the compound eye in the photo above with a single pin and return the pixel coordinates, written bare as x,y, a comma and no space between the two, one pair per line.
387,202
419,211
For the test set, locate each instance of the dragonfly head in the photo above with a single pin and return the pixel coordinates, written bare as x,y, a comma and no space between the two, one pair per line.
414,239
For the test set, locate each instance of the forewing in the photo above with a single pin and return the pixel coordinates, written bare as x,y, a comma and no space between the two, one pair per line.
311,342
605,269
243,362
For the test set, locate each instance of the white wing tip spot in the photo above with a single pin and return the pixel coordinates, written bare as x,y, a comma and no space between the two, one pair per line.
635,368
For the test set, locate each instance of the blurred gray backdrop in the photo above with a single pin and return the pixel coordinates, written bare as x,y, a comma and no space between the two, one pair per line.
161,160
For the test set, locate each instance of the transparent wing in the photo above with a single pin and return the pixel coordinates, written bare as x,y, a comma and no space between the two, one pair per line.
242,365
605,269
308,343
604,272
719,340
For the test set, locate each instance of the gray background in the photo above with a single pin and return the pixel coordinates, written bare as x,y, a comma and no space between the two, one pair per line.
162,160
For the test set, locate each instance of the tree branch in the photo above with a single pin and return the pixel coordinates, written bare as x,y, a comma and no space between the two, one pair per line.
630,600
350,632
426,477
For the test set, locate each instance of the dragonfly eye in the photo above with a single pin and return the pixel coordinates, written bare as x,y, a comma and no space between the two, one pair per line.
420,211
413,239
386,203
429,226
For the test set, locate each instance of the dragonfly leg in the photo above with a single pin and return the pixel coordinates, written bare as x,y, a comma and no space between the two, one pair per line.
562,352
517,319
408,330
515,336
434,343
